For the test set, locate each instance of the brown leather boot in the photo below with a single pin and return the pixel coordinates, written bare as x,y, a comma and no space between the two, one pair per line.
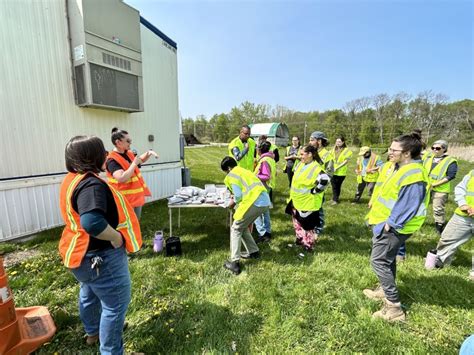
391,312
375,294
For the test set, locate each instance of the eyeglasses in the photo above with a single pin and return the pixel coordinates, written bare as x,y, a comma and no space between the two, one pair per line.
390,150
436,148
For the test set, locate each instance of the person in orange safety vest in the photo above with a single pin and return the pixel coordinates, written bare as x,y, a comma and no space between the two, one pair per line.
101,227
123,170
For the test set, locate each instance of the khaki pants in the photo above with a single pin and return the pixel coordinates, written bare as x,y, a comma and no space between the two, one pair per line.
240,233
457,232
439,206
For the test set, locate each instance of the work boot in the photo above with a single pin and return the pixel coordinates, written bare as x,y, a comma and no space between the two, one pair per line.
391,312
375,294
254,255
439,227
233,266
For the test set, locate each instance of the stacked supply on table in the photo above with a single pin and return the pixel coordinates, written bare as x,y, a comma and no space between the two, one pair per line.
192,195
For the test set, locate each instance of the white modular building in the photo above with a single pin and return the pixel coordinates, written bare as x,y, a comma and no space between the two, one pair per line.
74,67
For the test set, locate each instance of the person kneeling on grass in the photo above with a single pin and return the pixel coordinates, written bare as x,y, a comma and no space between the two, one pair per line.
397,212
252,201
306,197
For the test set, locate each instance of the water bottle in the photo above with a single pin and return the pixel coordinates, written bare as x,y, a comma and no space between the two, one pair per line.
158,242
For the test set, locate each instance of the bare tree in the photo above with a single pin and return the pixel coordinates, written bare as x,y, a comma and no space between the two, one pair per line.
429,111
380,103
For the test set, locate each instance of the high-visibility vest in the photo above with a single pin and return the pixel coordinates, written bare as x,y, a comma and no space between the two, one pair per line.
250,185
303,182
384,173
369,177
426,154
439,172
75,240
135,188
345,154
271,162
382,206
469,195
247,161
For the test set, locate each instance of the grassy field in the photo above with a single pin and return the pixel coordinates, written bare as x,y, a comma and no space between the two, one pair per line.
279,304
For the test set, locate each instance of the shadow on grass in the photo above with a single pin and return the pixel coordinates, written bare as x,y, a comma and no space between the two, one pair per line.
195,328
457,291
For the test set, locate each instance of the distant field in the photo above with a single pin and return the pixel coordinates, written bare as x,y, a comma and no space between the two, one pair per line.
462,152
279,304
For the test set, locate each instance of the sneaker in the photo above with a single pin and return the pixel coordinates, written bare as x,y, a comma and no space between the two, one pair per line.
233,266
254,255
401,258
375,294
391,312
92,339
264,238
333,202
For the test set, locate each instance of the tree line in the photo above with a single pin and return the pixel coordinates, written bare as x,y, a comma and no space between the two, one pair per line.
370,121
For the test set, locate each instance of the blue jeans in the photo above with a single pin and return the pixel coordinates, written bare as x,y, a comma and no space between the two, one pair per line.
403,250
263,223
104,297
319,230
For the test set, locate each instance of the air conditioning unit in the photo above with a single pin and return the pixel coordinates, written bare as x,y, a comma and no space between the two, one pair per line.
106,54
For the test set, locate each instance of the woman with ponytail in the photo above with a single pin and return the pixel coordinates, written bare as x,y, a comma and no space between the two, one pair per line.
306,196
398,211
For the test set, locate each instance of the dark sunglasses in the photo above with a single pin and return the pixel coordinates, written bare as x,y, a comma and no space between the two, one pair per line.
436,148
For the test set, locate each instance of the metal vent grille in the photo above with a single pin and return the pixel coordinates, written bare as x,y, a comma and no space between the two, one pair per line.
116,61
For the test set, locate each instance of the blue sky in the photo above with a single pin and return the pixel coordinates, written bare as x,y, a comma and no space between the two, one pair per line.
314,55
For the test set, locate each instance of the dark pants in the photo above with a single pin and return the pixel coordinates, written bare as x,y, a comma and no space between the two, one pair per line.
361,187
290,174
336,183
384,260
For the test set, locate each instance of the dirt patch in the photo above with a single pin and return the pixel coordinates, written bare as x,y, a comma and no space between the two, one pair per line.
17,257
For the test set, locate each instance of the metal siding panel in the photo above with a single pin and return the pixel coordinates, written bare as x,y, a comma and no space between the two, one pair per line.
29,210
36,96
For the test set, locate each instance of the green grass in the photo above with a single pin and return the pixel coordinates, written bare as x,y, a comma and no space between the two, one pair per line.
279,304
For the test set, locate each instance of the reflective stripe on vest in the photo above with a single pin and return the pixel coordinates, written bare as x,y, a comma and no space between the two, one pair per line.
250,185
388,196
369,177
248,159
302,184
469,195
75,240
135,188
271,163
345,154
385,172
439,172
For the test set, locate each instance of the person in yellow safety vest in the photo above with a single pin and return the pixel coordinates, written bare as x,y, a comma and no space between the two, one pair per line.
319,140
123,170
460,228
306,197
252,201
243,149
441,168
367,170
398,211
273,148
101,227
292,157
340,155
266,172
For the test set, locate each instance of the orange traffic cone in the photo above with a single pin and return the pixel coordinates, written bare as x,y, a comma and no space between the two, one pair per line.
22,330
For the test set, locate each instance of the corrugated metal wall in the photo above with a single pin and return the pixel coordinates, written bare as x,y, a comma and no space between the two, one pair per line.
38,114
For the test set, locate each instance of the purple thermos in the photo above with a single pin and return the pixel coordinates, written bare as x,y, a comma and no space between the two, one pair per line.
158,242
